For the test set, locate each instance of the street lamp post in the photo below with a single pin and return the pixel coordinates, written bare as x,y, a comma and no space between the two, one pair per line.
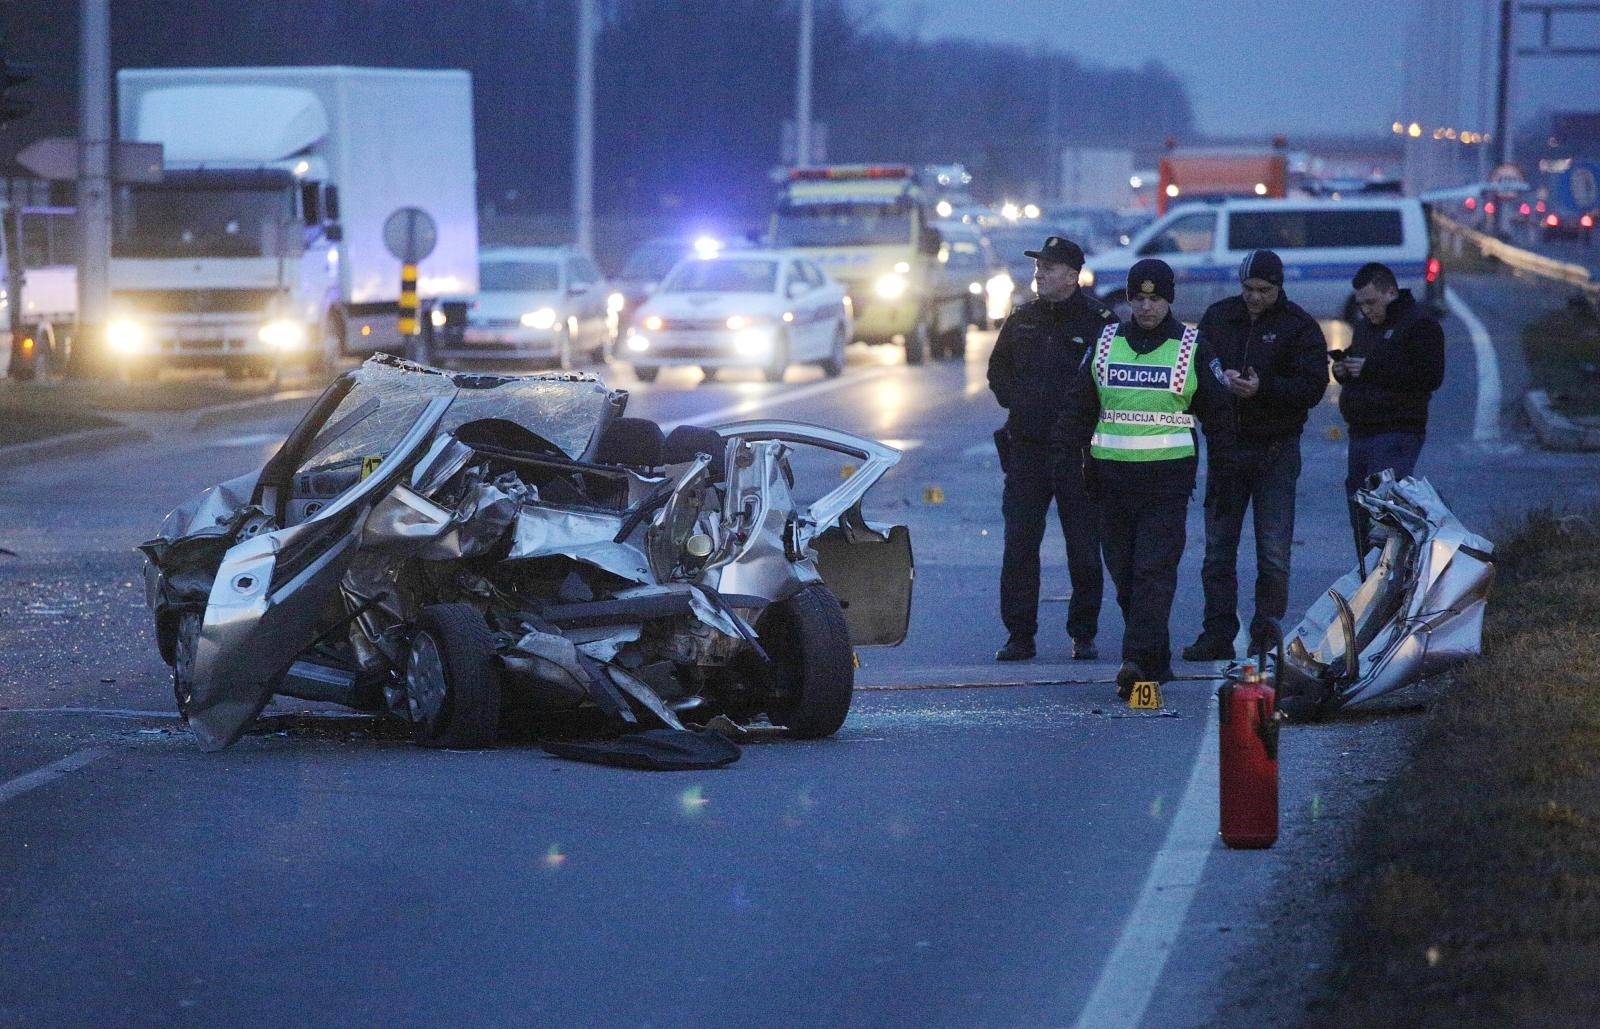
802,88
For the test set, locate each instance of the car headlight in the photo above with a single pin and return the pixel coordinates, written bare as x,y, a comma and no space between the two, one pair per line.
437,317
1086,278
654,323
1000,286
752,342
283,334
638,344
543,318
615,303
126,336
891,286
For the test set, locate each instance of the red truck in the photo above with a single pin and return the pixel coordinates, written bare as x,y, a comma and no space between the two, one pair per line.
1211,174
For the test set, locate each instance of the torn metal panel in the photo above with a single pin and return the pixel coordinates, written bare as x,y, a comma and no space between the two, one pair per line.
1418,611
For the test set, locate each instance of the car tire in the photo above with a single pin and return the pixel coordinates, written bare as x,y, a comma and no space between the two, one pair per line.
1117,300
919,343
780,361
452,686
564,356
833,364
646,373
955,342
813,666
185,644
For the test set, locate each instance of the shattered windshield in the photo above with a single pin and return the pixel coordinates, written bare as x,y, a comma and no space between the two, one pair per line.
388,398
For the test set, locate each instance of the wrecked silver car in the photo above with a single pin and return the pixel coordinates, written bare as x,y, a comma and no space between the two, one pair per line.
462,551
1418,611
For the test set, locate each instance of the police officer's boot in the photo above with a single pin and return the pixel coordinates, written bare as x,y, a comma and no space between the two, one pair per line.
1017,648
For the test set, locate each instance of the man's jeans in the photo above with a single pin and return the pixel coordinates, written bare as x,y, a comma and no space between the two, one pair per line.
1369,455
1262,477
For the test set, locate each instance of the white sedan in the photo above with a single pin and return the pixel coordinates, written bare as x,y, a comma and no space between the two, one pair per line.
763,309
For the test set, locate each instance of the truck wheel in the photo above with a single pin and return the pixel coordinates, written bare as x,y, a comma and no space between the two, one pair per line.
1117,300
955,342
919,343
813,673
452,685
646,373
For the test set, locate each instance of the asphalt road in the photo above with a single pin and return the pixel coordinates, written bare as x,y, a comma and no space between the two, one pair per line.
973,848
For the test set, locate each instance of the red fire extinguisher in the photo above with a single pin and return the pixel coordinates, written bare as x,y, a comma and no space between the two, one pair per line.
1248,754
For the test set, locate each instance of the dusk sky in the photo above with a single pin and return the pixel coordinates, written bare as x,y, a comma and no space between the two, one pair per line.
1253,67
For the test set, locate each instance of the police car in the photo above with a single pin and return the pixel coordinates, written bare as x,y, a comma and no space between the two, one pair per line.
1322,244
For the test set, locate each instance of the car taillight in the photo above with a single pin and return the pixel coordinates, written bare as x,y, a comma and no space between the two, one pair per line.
1433,270
1470,203
1551,220
1524,210
1488,207
1541,206
1587,221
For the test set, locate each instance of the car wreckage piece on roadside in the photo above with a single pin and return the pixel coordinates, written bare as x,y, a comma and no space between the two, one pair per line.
469,552
1418,611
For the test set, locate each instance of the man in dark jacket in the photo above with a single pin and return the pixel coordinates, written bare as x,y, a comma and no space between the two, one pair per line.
1274,362
1395,362
1037,353
1135,403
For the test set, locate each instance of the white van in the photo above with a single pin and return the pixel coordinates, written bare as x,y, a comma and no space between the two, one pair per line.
1322,243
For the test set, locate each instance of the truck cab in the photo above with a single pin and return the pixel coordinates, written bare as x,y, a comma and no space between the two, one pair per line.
38,288
871,227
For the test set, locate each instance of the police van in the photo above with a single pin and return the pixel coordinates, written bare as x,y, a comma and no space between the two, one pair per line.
1322,243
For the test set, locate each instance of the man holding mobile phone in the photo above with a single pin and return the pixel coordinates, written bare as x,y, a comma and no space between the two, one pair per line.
1271,356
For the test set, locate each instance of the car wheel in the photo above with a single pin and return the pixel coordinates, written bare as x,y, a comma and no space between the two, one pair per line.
813,667
564,359
919,344
185,644
1117,300
833,364
451,683
646,373
780,361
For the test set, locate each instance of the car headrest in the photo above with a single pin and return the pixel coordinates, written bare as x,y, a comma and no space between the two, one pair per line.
634,442
685,441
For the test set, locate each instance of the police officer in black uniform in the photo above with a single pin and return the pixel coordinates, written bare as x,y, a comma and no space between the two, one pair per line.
1037,353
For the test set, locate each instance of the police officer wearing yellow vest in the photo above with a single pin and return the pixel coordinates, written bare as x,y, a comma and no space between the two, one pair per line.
1135,402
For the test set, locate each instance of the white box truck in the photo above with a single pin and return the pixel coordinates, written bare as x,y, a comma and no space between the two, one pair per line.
38,288
263,244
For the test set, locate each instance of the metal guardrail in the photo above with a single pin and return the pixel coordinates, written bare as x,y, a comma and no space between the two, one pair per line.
1518,258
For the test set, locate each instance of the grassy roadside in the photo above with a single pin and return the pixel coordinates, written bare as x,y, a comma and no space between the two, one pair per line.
37,409
1563,351
1477,901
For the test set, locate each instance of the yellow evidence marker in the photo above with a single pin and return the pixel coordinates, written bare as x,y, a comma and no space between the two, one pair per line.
1146,696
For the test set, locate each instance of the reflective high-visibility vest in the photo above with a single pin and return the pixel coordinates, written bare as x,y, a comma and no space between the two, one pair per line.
1144,399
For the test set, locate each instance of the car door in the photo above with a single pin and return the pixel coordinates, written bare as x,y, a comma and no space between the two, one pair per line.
273,593
805,303
834,318
1188,243
590,297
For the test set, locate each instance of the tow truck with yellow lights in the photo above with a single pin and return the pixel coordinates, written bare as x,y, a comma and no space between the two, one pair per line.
871,226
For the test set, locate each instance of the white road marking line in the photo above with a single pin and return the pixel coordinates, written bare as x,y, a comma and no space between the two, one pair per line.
746,407
1486,415
48,774
1133,969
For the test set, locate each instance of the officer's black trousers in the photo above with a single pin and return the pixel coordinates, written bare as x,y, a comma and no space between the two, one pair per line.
1030,487
1142,536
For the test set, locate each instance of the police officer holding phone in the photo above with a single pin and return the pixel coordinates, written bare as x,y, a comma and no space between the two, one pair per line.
1273,359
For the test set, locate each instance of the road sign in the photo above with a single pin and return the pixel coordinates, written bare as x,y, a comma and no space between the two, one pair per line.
57,157
1581,186
1507,182
410,234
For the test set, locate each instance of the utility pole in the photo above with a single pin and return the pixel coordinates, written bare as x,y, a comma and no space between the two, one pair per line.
94,187
802,89
583,133
1502,98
